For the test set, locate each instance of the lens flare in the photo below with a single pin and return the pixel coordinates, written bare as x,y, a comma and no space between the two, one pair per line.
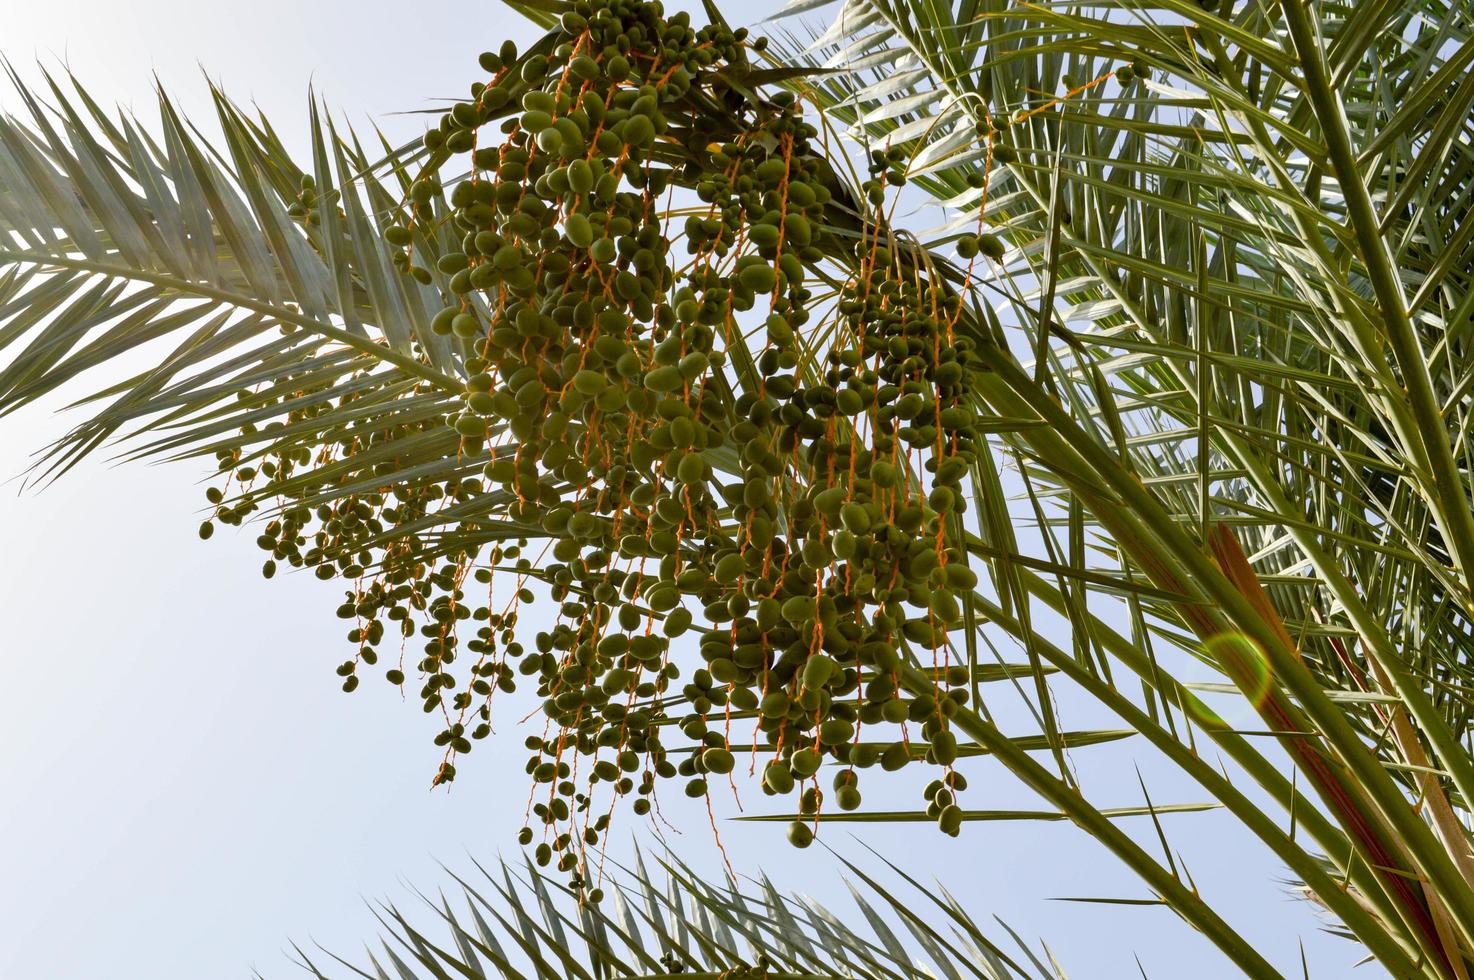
1243,660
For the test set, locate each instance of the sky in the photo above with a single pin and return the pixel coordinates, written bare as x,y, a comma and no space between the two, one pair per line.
185,789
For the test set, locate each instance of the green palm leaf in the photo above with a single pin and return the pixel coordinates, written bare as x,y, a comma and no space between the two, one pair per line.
517,924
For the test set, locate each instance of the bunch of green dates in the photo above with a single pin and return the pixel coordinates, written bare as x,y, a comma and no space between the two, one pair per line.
744,530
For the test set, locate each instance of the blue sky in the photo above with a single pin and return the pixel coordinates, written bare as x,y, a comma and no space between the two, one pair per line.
186,789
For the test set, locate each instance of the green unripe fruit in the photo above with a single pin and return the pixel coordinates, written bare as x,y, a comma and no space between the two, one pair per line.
779,330
836,731
944,748
895,757
778,779
583,524
683,432
677,622
692,469
959,576
539,101
798,608
805,762
955,418
580,178
919,631
828,502
590,382
465,326
951,470
507,257
637,131
583,66
718,761
769,613
764,235
848,798
664,379
729,568
774,704
725,671
817,671
771,170
944,607
950,820
663,598
800,834
692,366
760,278
798,230
441,324
578,229
855,517
603,251
534,69
423,190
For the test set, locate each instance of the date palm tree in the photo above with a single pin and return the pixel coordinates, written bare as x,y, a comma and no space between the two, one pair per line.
1166,349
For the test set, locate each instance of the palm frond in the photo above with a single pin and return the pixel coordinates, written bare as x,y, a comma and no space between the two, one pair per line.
515,923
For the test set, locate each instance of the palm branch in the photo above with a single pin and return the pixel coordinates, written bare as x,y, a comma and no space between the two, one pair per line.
517,923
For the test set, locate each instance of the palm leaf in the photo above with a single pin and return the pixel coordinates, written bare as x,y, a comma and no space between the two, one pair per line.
518,924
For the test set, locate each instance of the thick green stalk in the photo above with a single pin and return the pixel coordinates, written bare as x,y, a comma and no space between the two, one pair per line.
1344,852
1182,899
1453,513
1142,526
1451,754
1378,645
1364,925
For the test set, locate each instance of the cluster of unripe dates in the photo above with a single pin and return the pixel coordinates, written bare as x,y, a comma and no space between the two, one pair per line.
744,530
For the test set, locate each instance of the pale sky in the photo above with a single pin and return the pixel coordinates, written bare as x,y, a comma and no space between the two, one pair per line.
185,789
